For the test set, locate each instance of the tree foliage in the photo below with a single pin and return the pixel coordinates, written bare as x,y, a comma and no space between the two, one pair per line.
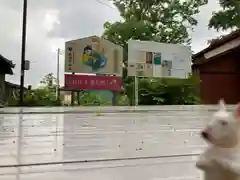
228,17
151,92
89,99
166,21
158,20
44,95
49,81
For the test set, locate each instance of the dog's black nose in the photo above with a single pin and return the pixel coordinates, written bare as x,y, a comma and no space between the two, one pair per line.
204,135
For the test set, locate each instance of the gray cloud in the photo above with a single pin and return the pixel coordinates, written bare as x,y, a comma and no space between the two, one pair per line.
73,26
38,46
77,19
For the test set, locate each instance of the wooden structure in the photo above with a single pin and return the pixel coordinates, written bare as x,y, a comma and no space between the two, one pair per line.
12,91
218,67
5,68
8,91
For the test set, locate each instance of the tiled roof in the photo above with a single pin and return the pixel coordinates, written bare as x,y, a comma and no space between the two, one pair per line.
6,65
2,58
13,85
218,42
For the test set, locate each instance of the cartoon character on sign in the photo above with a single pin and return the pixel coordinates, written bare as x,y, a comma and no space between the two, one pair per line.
94,59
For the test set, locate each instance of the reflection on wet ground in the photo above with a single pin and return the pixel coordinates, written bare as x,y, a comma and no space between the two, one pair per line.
71,134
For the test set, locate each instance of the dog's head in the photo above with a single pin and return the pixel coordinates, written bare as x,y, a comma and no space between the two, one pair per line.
223,128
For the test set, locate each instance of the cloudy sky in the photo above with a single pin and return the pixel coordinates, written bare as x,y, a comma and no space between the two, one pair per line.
52,22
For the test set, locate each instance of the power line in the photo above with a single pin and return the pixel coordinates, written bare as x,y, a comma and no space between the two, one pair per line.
105,4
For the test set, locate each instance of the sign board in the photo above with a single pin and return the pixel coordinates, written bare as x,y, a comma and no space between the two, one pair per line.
153,59
87,82
93,55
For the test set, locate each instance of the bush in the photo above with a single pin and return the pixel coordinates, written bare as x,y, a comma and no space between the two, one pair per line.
37,97
89,99
152,91
122,100
166,91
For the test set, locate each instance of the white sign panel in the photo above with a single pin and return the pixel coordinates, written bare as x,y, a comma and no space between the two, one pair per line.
157,71
159,59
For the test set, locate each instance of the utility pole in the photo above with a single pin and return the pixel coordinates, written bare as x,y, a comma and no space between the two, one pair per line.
24,24
57,87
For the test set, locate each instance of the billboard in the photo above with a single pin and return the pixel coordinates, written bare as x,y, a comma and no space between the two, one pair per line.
153,59
93,55
87,82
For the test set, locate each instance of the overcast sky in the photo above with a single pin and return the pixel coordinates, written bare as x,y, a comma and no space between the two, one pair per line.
52,22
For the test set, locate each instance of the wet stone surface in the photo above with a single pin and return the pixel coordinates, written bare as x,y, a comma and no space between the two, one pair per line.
63,135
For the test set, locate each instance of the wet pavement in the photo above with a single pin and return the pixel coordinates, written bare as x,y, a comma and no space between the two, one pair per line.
101,143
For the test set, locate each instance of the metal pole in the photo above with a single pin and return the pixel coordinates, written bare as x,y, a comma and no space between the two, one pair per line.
24,24
136,88
72,95
57,87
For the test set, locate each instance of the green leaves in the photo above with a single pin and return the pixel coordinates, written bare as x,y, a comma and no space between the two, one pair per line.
228,17
89,99
159,20
38,97
166,91
49,81
166,21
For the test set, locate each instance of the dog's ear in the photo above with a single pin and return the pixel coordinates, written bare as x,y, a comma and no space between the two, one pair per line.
221,104
237,111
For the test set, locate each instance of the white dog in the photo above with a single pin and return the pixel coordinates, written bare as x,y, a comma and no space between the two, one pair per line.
221,160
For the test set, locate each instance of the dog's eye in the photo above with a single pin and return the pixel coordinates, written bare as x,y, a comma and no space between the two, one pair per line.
224,123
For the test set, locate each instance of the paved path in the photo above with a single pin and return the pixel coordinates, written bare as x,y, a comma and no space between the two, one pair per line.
160,142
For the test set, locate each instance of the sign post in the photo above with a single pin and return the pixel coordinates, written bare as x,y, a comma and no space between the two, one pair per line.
93,55
72,95
57,87
136,89
159,60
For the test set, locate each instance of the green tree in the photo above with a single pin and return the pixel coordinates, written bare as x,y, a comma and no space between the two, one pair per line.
228,17
45,95
159,20
49,81
167,21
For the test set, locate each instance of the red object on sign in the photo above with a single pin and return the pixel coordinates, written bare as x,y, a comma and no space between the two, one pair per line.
85,82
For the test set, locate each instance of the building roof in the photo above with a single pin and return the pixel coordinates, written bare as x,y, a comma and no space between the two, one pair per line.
12,85
8,65
2,58
218,42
